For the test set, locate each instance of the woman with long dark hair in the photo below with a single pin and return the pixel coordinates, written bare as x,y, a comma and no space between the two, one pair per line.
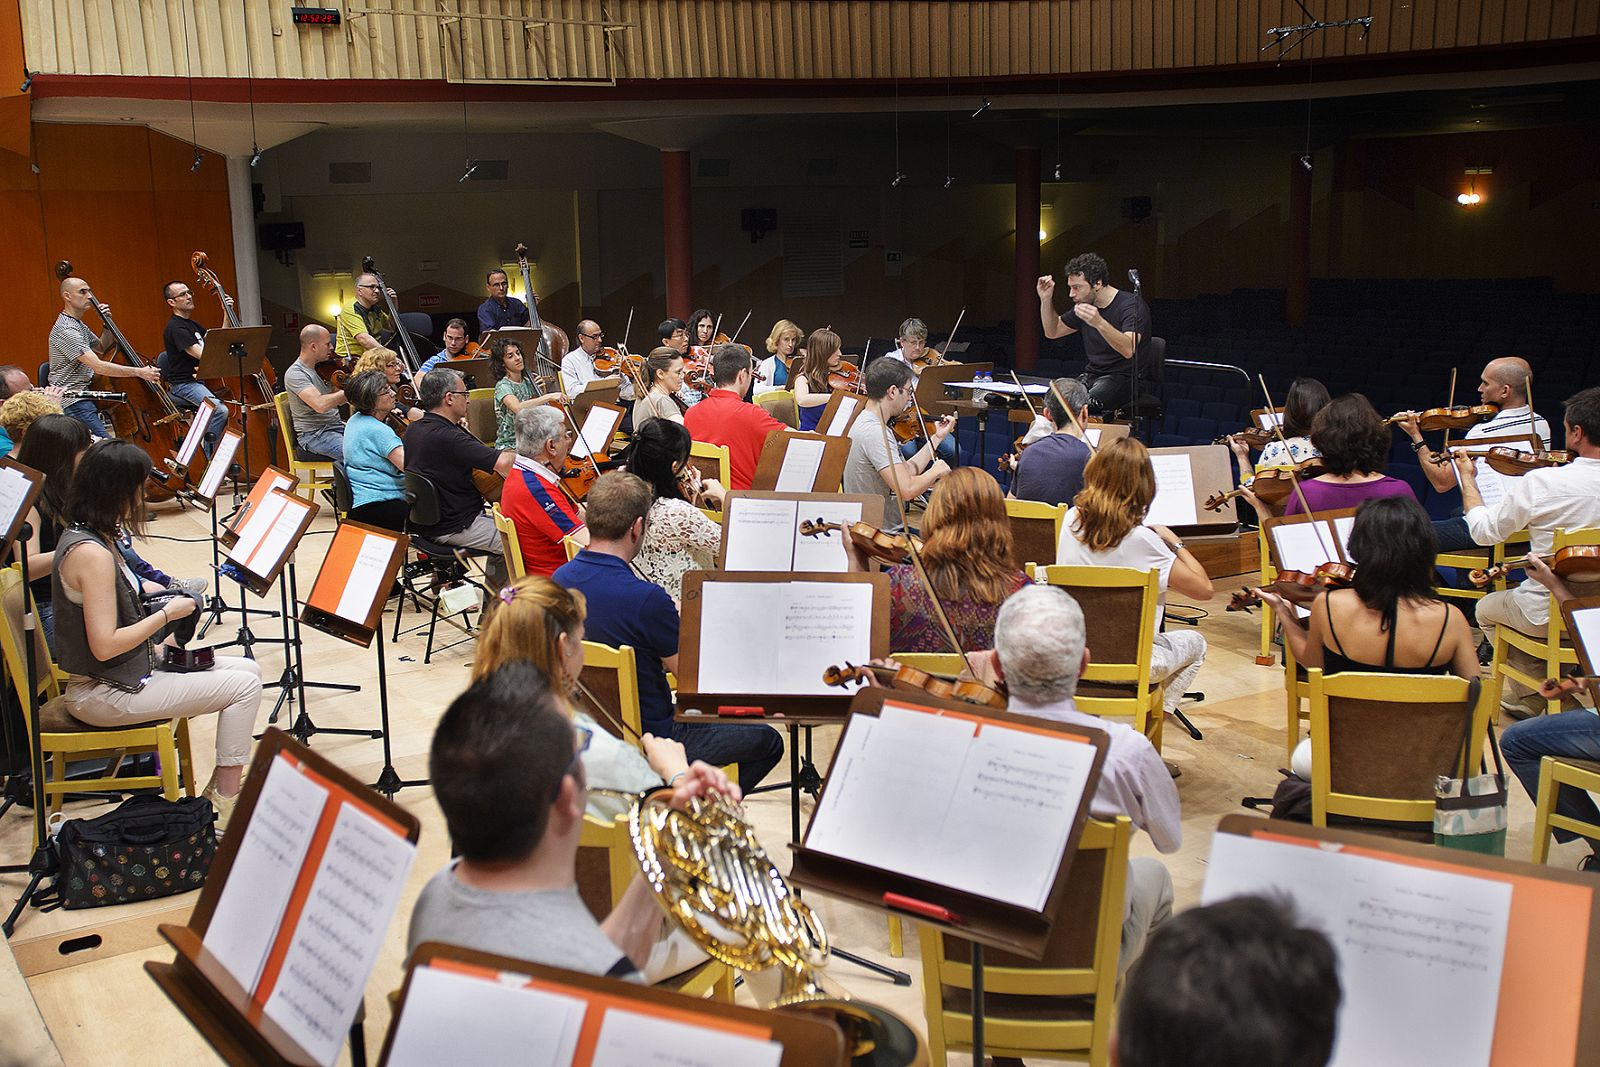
1305,398
811,390
677,537
52,447
1354,442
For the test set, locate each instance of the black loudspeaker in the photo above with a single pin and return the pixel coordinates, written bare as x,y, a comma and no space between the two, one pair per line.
281,236
1136,208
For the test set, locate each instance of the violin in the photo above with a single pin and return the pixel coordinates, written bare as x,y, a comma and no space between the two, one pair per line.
1575,563
1511,462
1455,417
932,357
870,541
912,424
1271,486
1299,588
610,361
1556,688
1253,437
846,376
911,679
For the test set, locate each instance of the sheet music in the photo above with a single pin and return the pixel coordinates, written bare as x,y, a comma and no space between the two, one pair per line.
14,486
264,871
1093,435
1268,419
825,552
1587,623
197,430
366,575
633,1039
1420,951
1174,503
268,536
761,534
450,1017
221,460
246,513
801,461
1305,546
341,928
985,811
594,436
777,638
841,417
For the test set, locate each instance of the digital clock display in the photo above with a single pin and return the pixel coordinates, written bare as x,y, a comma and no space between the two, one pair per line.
315,16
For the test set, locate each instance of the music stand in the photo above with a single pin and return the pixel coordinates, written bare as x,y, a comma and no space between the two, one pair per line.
346,601
839,414
209,488
475,372
241,350
799,461
600,391
19,490
596,431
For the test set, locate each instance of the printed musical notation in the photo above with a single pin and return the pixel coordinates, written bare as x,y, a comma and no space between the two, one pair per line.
772,638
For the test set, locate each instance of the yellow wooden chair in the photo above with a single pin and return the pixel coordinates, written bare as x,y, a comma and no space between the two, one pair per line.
572,547
1554,648
711,460
64,738
1514,547
314,474
1297,693
1269,574
611,674
1063,1005
1119,614
481,415
510,547
779,403
1555,772
614,864
1036,529
1379,742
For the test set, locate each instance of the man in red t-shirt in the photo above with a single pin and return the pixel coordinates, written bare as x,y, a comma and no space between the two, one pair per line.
533,498
724,417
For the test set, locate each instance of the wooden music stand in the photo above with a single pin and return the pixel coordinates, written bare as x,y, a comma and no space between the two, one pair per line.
606,432
1554,931
474,371
808,1039
1583,623
817,707
257,566
1105,433
182,461
601,391
1211,472
1260,416
210,483
378,554
1330,535
830,423
868,508
229,1016
271,478
824,458
526,336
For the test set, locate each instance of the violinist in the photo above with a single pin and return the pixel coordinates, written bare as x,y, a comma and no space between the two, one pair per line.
364,320
677,537
1113,322
387,361
533,498
784,344
502,309
810,378
663,371
577,366
374,456
913,342
1354,443
75,354
1541,502
455,346
513,389
1504,383
180,358
1051,470
313,402
725,417
702,332
871,467
1306,397
674,334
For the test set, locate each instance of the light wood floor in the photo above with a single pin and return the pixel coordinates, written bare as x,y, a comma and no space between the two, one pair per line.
110,1011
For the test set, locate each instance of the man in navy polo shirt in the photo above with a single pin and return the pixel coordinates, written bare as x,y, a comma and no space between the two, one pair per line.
624,609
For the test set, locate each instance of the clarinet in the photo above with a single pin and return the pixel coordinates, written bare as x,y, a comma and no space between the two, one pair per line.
94,394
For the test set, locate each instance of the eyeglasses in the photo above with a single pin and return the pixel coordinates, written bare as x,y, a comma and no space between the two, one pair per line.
458,392
585,735
366,287
387,390
592,336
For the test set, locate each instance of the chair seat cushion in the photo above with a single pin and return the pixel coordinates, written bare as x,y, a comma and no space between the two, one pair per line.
302,456
55,717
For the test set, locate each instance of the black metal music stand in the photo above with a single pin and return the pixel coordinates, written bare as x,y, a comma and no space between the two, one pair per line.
235,351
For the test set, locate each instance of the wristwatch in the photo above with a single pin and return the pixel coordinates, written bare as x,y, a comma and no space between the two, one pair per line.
1176,546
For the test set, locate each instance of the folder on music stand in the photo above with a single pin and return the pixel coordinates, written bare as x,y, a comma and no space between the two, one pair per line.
189,447
474,372
600,391
839,414
798,461
268,539
269,479
352,587
210,483
1186,477
219,358
761,530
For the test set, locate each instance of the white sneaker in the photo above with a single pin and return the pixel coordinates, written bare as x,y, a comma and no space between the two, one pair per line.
193,586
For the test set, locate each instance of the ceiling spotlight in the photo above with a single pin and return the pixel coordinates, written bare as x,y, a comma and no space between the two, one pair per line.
257,157
981,108
1058,172
1305,161
199,156
472,168
898,178
27,80
1469,199
949,180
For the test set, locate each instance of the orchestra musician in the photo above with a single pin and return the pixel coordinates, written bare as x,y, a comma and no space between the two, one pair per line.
725,417
1051,469
913,342
577,366
502,309
1306,397
674,334
810,378
534,499
21,411
374,456
313,402
455,346
1354,443
364,320
784,344
388,362
75,354
702,330
871,468
677,537
513,389
663,372
1113,322
180,359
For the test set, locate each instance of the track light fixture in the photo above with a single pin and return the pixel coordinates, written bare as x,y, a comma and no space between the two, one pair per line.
949,180
472,168
256,158
981,108
199,156
898,178
27,79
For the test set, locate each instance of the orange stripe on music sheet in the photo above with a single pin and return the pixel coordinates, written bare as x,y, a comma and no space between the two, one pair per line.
600,1003
335,572
1548,935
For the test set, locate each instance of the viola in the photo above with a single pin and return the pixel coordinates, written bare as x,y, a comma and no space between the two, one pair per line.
846,376
1271,486
1511,462
1299,588
912,679
870,541
1556,688
610,361
1575,563
1455,417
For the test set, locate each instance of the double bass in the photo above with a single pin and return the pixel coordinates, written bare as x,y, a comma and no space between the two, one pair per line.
255,406
150,418
553,342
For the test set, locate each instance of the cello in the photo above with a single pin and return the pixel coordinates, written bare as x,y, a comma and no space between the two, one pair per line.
256,405
553,342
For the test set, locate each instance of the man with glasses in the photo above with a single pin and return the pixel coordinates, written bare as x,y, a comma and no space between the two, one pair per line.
455,343
501,309
365,320
438,448
577,366
180,358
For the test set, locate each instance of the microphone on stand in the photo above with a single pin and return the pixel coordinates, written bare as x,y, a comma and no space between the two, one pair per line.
1133,276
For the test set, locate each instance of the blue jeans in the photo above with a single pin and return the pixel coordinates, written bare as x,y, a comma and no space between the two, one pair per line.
1453,534
946,450
325,441
85,412
1569,733
190,395
755,747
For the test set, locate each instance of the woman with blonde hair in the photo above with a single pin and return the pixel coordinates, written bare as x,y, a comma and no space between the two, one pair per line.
1106,527
969,557
778,368
388,361
811,390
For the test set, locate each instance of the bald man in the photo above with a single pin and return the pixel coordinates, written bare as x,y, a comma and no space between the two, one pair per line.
1505,385
75,354
577,366
313,403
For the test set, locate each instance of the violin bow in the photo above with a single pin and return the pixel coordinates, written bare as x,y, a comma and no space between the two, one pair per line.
737,332
1316,524
951,338
1055,391
605,713
1449,403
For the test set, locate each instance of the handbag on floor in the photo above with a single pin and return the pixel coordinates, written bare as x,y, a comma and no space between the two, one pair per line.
145,848
1469,812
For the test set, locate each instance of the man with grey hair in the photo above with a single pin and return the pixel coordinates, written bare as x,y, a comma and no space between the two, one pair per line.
365,321
534,499
1039,652
1051,470
440,449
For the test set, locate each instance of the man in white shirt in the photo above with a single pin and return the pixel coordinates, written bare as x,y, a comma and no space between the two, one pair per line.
1541,502
1504,384
1039,652
577,366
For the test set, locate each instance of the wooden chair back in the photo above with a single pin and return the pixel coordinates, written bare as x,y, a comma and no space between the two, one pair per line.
1036,530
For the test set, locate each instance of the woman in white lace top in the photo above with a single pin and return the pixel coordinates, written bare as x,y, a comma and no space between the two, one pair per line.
677,536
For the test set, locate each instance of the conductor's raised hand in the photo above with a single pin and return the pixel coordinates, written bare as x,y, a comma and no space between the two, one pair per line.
1046,286
1087,313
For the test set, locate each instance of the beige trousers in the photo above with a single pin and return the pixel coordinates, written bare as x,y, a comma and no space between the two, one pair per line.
231,690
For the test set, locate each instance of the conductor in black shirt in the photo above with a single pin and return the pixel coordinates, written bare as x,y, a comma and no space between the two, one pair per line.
1115,324
180,358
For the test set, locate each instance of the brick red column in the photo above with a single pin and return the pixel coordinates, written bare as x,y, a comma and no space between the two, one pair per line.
677,235
1027,270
